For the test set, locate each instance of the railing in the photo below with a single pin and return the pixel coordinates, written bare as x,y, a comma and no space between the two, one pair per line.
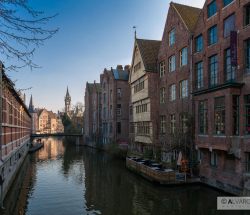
55,134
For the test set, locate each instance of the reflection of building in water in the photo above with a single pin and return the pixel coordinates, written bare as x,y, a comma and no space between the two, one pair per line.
102,174
16,199
52,149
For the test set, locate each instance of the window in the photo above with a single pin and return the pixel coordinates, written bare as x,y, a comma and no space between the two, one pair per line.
184,89
171,63
229,25
171,37
104,98
110,95
247,14
229,69
183,56
199,43
219,115
137,67
184,123
143,128
212,35
118,127
162,68
130,110
199,74
162,124
162,95
213,159
226,2
141,108
203,117
172,124
247,55
247,113
110,128
132,128
236,112
213,70
104,112
211,9
139,86
111,111
172,92
119,92
118,109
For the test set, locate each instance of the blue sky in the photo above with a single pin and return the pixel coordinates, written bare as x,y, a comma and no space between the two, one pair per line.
93,35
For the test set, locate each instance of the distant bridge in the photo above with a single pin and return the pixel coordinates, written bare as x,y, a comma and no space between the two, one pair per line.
56,135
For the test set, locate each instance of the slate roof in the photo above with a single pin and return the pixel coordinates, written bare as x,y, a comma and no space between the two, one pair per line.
120,74
188,14
149,51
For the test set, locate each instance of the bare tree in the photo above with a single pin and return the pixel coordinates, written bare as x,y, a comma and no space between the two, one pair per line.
22,30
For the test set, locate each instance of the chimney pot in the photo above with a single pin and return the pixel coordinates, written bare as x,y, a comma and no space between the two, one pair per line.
119,67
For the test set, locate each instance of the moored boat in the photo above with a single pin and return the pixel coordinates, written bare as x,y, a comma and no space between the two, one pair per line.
36,147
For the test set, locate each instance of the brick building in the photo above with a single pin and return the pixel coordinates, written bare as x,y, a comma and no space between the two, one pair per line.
115,105
48,122
175,82
222,93
143,80
15,132
92,114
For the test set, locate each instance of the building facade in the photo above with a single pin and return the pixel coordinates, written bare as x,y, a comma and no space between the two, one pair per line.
49,122
115,105
222,94
15,126
175,83
143,81
92,114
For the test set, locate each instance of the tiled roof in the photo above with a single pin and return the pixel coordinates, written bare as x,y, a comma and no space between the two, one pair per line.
149,51
120,74
188,14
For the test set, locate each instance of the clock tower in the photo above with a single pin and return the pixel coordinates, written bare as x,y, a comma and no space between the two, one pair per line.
67,101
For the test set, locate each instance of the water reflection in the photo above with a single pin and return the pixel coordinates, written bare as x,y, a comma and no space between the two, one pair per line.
65,179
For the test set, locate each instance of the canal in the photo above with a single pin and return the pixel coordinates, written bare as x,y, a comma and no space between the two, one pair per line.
65,179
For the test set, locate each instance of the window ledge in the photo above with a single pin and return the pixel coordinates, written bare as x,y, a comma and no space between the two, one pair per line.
211,45
228,5
202,135
219,135
212,16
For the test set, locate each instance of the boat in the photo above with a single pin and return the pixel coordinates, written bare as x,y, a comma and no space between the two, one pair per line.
36,147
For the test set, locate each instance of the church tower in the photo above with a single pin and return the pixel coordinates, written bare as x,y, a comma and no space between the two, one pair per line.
67,100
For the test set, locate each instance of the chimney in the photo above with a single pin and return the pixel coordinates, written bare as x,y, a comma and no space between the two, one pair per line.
119,67
127,67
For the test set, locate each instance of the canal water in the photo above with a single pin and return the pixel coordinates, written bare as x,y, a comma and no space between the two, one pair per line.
65,179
